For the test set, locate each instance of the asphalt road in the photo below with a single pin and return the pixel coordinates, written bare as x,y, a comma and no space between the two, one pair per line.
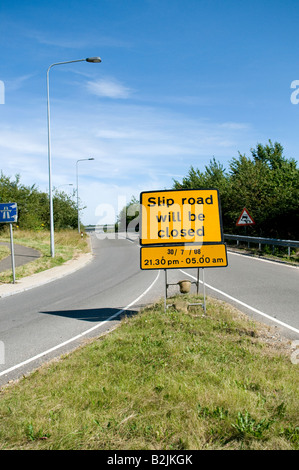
47,321
22,255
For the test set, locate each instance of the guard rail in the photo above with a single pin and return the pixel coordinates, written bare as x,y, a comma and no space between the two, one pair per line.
263,241
238,238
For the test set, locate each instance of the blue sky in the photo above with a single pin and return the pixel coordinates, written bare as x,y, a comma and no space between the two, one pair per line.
180,81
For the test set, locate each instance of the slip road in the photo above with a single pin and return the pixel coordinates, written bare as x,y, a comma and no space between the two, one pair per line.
50,320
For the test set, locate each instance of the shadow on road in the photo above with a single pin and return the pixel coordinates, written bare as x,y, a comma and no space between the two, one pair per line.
93,314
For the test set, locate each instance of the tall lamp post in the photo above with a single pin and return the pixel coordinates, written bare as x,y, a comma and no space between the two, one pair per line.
89,59
81,160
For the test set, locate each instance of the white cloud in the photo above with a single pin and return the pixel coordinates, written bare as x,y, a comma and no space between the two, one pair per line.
17,141
109,88
136,148
63,39
16,83
234,125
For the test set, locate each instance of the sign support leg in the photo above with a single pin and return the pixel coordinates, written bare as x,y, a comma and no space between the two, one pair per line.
12,253
204,291
165,297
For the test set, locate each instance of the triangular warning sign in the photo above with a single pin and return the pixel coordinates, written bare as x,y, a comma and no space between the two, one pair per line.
245,218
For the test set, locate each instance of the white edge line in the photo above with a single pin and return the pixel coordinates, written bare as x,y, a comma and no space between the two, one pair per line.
245,305
17,366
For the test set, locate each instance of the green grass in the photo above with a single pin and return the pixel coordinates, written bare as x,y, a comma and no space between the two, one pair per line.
68,244
168,381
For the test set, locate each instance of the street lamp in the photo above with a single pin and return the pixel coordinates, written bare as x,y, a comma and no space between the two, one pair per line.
94,60
81,160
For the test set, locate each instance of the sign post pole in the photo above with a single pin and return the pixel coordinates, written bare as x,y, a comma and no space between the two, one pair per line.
12,254
9,215
204,291
165,308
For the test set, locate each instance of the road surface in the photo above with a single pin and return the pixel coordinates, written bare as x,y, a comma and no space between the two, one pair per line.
22,255
52,319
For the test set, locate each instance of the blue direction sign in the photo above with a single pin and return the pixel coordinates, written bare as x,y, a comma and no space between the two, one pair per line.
8,212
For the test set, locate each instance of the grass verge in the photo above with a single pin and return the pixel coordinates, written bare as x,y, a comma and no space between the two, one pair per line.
162,381
68,244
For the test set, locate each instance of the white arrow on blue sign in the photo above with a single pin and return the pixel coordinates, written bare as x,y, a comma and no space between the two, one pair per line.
8,212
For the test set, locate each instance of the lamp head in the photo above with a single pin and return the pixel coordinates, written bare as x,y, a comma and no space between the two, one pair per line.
94,60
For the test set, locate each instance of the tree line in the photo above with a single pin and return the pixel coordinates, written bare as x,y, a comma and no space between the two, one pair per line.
266,183
34,207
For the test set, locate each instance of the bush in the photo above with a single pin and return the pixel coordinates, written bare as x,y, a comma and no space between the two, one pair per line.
267,184
33,205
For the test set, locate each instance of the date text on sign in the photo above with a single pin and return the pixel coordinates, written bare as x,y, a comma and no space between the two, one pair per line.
179,256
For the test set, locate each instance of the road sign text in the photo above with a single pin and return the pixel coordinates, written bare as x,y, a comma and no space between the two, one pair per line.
182,256
184,216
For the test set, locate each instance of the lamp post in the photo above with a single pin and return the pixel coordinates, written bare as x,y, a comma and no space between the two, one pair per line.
89,59
81,160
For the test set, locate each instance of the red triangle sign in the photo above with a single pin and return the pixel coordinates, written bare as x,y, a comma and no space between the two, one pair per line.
245,218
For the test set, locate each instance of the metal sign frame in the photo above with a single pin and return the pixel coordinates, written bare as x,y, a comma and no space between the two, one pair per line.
167,245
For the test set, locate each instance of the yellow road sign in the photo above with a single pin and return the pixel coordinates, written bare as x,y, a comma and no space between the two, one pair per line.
183,256
183,216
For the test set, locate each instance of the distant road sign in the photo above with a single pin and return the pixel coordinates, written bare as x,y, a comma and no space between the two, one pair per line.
180,216
183,256
8,212
245,218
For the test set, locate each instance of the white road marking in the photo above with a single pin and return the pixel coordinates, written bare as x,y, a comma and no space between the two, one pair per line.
17,366
285,325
